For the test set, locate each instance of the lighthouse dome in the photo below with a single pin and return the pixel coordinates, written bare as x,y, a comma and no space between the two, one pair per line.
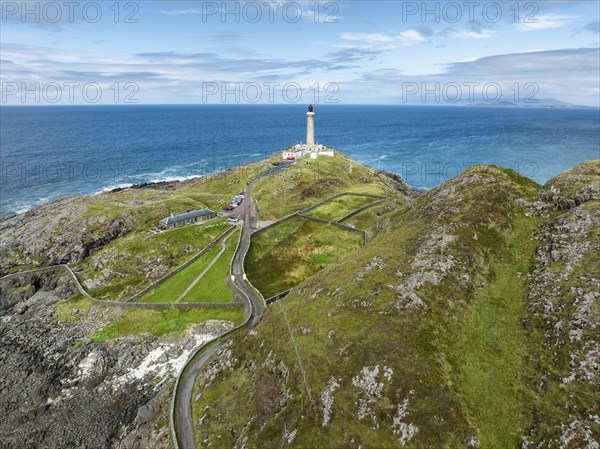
310,108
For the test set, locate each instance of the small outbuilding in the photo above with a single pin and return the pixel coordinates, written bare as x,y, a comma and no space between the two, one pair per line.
189,218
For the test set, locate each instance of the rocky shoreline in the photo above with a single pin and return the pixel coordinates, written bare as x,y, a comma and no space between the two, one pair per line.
59,389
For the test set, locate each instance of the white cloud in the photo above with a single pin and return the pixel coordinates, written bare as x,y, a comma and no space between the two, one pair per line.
370,38
182,12
416,36
471,34
568,75
545,22
405,37
411,36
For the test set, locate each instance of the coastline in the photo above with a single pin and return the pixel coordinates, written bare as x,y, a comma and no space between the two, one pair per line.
170,184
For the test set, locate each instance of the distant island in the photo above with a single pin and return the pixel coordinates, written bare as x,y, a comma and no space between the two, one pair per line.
541,103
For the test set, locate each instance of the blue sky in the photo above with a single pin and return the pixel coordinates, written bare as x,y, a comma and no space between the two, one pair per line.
399,52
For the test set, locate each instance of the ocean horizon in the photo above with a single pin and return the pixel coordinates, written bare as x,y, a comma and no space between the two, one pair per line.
48,152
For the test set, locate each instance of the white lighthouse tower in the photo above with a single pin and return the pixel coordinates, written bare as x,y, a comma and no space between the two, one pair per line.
308,148
310,126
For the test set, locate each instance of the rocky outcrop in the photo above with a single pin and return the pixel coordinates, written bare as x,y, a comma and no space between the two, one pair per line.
471,321
56,233
564,294
59,389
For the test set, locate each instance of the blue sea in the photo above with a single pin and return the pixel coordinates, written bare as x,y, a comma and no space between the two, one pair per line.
51,151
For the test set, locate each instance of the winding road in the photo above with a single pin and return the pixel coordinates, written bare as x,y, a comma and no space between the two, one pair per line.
182,407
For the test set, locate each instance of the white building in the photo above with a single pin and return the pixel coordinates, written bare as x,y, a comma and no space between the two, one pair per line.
309,148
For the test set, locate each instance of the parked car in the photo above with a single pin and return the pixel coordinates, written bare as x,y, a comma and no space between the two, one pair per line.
228,208
233,220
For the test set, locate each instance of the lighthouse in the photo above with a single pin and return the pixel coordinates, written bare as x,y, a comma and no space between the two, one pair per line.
308,148
310,126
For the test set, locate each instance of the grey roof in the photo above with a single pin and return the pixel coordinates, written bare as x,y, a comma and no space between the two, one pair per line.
187,216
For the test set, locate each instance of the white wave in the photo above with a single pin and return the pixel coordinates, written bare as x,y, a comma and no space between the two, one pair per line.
172,178
112,187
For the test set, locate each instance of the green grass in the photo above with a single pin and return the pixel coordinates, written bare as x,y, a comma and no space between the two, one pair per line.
340,207
125,256
487,361
163,321
368,218
266,240
212,286
275,265
172,288
310,181
64,309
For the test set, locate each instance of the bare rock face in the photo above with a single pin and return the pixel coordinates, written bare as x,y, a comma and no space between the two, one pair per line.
564,293
55,233
58,389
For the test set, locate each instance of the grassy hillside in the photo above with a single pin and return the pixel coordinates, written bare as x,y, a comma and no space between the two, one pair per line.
313,180
338,208
431,336
287,254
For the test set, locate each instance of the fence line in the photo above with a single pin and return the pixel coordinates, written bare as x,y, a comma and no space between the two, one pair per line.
180,268
338,195
278,296
358,211
124,304
339,225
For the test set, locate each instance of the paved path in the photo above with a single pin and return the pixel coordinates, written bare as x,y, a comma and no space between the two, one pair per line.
185,422
184,425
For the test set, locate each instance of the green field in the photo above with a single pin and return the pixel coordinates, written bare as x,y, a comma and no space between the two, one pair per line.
340,207
280,259
125,256
310,181
369,217
488,348
163,321
212,286
172,288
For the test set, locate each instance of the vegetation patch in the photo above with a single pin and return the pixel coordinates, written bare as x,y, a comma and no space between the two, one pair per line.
368,218
163,321
278,261
309,181
490,345
212,287
64,309
142,258
340,207
171,289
